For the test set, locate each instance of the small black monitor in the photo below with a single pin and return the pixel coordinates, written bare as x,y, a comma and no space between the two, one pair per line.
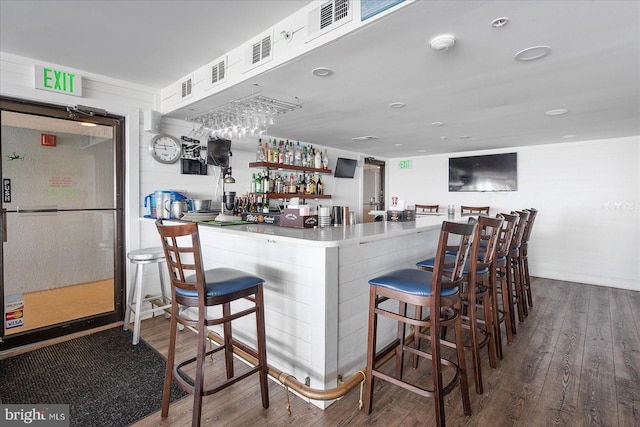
345,168
218,150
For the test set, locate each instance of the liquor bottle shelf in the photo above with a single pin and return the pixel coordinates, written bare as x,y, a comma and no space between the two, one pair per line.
292,195
288,167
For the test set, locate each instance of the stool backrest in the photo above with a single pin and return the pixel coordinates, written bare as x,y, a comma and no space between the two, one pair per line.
427,208
527,229
181,245
474,210
487,232
506,233
516,241
455,238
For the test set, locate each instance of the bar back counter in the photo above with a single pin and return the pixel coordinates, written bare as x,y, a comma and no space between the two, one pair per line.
316,287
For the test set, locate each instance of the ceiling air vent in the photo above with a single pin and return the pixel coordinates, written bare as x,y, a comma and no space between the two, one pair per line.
186,87
328,16
218,71
259,51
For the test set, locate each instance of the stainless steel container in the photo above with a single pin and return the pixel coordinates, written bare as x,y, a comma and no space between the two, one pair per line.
178,208
200,205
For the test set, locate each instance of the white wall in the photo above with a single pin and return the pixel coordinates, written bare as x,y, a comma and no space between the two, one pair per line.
587,194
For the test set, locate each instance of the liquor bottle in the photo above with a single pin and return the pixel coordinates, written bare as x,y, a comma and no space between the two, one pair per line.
288,153
265,182
265,205
293,188
319,187
279,186
297,155
272,183
253,183
260,154
302,185
311,185
281,152
325,160
274,152
259,204
258,183
268,150
305,157
318,160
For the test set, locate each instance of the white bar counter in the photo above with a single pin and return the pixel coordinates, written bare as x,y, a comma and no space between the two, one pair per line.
316,287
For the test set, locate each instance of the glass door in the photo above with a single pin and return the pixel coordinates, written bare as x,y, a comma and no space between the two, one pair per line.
61,222
373,190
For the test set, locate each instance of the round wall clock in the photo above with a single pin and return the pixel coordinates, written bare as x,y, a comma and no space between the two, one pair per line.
165,148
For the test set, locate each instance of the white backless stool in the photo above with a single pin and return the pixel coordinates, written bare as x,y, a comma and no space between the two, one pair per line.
140,258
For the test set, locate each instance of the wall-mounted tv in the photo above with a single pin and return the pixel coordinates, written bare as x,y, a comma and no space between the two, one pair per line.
494,172
345,168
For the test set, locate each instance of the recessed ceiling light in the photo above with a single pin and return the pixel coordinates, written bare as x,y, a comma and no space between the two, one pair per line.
364,138
89,125
569,136
557,112
396,105
398,145
443,138
437,124
532,53
322,71
500,22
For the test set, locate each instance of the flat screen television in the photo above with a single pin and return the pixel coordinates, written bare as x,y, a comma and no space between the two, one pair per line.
494,172
345,168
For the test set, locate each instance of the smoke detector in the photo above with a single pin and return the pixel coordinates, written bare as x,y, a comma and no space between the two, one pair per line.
443,42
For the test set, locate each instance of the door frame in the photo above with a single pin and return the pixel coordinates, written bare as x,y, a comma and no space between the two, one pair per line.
383,191
117,315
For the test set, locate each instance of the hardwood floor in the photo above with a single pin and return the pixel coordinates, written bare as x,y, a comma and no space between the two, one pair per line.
574,362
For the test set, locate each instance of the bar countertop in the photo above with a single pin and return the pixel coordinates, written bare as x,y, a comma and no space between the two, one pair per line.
336,235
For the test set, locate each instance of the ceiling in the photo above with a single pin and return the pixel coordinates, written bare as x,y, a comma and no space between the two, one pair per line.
482,95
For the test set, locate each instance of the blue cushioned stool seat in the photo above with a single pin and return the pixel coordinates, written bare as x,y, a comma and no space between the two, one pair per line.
449,258
410,281
221,281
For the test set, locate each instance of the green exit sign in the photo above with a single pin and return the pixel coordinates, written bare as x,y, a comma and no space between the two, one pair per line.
404,164
51,79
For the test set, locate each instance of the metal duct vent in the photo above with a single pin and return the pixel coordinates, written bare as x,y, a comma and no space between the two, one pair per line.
328,16
261,50
186,87
218,71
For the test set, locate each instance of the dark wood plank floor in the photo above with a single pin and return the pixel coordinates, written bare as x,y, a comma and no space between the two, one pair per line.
574,362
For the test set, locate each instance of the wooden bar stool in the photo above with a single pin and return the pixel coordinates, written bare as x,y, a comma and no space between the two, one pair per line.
471,210
140,258
192,286
479,284
438,290
500,271
524,258
514,275
427,208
